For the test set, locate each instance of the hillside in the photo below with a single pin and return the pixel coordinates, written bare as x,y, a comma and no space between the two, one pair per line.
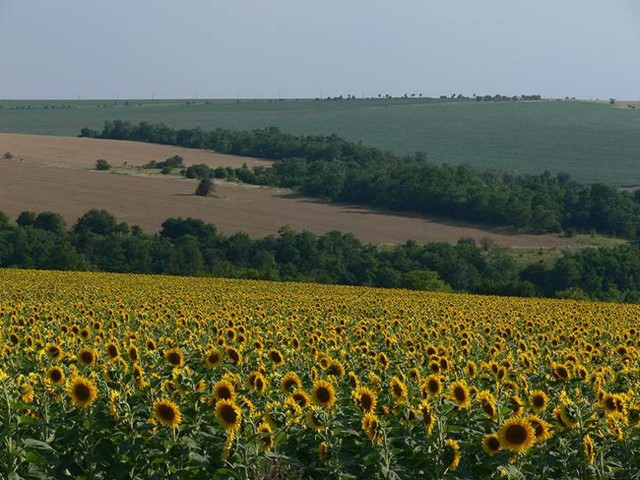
593,142
55,174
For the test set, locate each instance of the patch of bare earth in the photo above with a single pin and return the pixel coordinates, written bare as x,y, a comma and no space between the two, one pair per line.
83,152
148,201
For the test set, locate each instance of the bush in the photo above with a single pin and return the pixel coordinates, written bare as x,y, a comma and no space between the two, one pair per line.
200,171
102,164
26,219
423,280
169,163
7,155
205,188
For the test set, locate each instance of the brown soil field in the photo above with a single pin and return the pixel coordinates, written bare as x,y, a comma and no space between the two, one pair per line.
83,152
148,200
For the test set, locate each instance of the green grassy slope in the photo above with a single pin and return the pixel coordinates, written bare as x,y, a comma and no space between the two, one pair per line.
592,142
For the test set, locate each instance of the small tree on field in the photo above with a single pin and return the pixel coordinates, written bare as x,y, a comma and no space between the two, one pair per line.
102,165
7,155
205,188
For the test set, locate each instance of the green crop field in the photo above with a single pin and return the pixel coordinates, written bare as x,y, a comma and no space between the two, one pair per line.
590,141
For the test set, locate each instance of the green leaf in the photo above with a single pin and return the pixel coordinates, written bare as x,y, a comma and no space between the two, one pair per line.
37,444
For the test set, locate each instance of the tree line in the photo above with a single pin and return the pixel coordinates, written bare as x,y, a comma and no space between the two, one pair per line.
339,170
97,241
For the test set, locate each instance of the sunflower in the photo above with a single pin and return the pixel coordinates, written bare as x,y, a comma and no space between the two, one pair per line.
398,390
233,355
452,454
383,360
290,382
488,404
589,450
517,435
53,351
323,394
365,398
228,445
315,419
459,393
83,391
113,403
167,412
301,398
517,405
568,414
611,403
541,428
538,400
428,416
257,382
276,357
150,344
27,393
431,386
335,368
265,436
174,357
371,426
138,376
353,379
213,358
247,404
324,451
491,443
616,421
228,414
132,351
561,372
112,350
292,408
55,375
558,418
224,390
87,356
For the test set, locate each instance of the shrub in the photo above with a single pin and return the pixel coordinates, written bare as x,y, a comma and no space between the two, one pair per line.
199,171
205,187
102,164
7,155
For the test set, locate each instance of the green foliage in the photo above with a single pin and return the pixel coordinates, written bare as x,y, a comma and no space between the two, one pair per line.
192,247
205,187
26,219
51,222
102,164
200,171
333,168
592,142
423,280
175,161
99,222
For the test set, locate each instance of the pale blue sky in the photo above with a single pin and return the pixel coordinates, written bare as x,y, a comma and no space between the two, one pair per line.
297,48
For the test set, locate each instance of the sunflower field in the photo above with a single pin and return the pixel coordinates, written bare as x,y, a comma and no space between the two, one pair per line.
124,376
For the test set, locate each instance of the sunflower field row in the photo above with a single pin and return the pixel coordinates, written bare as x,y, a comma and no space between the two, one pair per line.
125,376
